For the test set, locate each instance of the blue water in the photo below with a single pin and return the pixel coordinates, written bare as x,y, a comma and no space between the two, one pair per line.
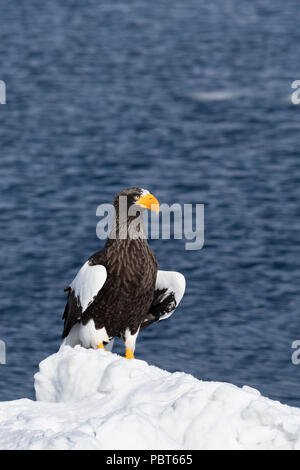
191,101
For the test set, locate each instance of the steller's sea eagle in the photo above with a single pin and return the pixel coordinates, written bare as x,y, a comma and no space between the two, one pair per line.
119,290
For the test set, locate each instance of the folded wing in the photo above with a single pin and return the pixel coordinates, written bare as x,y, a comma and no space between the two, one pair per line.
169,290
82,292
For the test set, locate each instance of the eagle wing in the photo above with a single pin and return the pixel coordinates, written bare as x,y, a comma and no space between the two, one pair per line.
169,290
82,292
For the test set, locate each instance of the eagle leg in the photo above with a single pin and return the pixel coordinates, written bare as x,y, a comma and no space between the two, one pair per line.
129,354
100,346
129,339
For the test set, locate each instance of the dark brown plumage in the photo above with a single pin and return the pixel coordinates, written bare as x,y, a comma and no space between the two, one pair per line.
128,299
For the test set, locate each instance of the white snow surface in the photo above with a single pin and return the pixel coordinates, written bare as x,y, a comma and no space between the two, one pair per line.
94,399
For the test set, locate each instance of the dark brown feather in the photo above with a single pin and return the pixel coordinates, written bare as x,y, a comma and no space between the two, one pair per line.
127,294
160,306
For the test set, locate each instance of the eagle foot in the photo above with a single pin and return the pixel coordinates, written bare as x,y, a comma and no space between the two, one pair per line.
100,346
129,354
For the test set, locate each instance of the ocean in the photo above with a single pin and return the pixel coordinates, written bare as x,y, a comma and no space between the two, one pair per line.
192,101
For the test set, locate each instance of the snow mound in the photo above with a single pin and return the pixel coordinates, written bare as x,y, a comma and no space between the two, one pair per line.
91,399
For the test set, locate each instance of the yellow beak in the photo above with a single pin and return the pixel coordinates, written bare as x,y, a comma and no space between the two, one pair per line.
149,202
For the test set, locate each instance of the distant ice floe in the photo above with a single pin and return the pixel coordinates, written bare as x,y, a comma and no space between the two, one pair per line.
94,399
220,95
262,95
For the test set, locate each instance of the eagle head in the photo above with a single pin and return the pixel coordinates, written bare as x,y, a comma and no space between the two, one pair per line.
139,197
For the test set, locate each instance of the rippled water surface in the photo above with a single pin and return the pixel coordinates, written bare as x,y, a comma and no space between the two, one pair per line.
191,101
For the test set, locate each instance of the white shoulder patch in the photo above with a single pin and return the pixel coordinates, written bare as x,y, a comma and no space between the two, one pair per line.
174,282
88,282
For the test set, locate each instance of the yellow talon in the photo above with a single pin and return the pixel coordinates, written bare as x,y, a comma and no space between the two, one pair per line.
100,346
129,354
